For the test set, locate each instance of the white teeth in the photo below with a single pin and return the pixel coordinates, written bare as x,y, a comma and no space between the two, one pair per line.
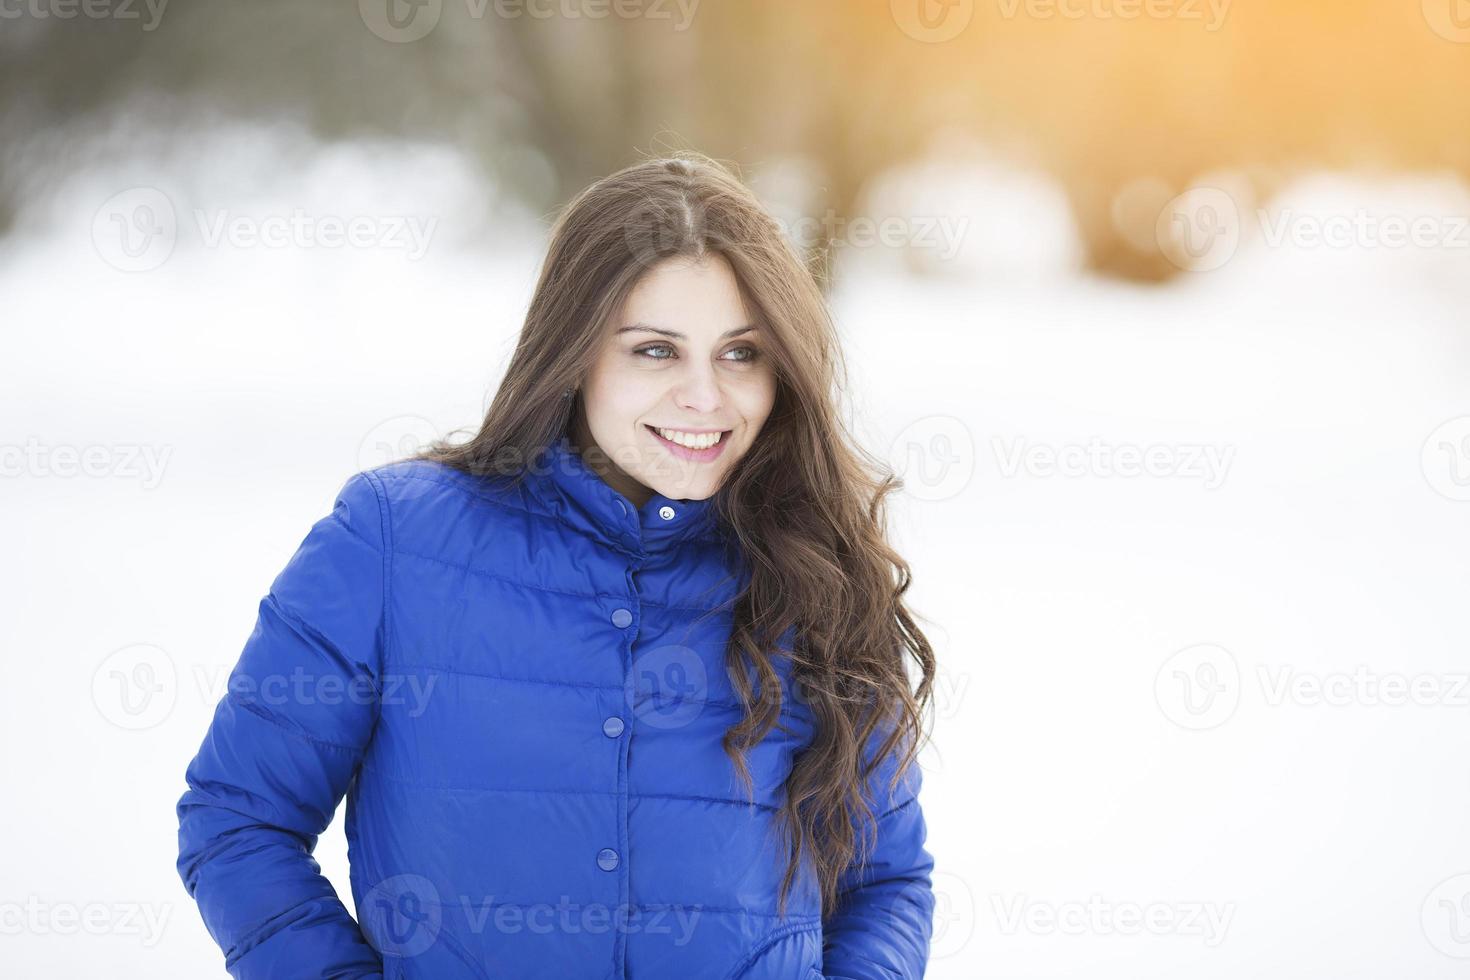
690,439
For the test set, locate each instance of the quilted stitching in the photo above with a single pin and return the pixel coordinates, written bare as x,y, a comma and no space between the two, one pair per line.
536,787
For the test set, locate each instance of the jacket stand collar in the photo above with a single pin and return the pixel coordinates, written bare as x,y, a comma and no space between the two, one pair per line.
578,495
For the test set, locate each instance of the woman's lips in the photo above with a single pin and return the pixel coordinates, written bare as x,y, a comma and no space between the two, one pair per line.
685,452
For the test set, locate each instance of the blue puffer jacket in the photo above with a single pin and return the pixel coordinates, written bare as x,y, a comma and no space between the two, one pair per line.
521,693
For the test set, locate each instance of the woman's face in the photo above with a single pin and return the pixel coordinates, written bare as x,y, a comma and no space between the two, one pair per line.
681,387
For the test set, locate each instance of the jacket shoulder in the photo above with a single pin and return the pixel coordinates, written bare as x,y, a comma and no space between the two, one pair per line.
411,478
425,499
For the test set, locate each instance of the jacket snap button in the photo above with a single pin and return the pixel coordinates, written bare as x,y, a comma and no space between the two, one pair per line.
666,512
621,618
612,727
607,859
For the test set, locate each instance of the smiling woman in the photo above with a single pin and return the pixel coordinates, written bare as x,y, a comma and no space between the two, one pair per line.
667,644
672,407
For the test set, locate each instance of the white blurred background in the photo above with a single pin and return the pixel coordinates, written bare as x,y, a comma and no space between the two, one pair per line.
1194,552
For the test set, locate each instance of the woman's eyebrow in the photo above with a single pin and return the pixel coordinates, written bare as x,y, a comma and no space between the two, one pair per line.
677,335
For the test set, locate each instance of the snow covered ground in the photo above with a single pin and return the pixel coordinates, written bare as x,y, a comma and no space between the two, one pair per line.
1194,557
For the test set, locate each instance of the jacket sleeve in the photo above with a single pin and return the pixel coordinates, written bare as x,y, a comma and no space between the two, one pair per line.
884,917
283,746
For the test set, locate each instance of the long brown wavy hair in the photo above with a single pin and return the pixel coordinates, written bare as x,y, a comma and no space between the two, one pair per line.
805,505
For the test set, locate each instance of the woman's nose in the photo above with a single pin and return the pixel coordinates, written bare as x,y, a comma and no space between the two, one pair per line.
699,391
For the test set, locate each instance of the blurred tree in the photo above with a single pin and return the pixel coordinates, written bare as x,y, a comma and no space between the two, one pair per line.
550,94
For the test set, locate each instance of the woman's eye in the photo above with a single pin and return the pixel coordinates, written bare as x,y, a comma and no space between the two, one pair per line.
750,353
656,347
